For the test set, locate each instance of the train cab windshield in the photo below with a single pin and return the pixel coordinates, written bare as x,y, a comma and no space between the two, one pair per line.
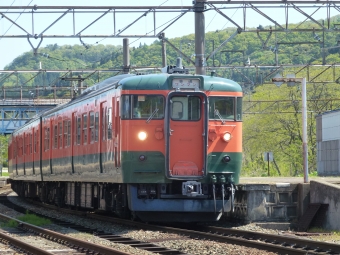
142,106
225,108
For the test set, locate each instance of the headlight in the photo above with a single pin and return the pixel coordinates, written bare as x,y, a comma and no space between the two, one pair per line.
142,135
226,137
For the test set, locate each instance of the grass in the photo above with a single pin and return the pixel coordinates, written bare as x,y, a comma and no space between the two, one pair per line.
4,174
28,218
326,235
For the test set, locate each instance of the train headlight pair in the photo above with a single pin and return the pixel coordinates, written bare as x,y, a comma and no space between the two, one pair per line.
142,135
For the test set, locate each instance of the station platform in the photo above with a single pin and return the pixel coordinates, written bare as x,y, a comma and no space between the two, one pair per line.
288,200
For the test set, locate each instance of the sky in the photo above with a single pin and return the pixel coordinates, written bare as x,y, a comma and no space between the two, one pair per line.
11,48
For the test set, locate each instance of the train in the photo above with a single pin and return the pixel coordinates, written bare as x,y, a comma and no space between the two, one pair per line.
155,147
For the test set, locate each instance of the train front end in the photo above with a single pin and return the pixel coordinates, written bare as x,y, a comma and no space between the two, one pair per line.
181,146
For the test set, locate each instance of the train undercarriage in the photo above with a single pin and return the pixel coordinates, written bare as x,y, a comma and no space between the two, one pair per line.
178,201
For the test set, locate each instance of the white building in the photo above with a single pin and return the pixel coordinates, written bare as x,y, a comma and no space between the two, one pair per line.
328,143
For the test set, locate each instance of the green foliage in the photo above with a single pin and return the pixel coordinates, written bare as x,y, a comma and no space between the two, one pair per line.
3,150
11,224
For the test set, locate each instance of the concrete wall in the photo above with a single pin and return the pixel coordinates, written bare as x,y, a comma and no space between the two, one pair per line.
267,202
327,193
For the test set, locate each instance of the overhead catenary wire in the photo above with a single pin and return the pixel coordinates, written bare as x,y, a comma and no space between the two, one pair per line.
15,19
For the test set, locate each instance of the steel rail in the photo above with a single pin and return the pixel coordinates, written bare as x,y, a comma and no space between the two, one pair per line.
25,246
206,236
69,240
296,242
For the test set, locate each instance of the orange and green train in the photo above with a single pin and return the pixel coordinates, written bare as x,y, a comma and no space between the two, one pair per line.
159,147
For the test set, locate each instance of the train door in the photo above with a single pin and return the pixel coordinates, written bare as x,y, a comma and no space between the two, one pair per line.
102,137
73,139
187,134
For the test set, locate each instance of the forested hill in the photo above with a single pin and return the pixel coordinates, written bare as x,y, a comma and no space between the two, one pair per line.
110,57
268,127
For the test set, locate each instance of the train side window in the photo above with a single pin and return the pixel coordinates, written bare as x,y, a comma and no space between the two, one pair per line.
68,133
31,146
91,127
96,127
78,130
103,117
109,124
55,137
35,142
85,128
65,133
60,134
46,139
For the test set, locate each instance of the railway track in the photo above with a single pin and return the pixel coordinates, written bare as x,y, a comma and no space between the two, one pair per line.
268,242
83,245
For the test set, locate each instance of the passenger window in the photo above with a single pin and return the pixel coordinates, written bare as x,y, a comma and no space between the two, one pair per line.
55,137
60,135
78,130
92,127
85,128
65,133
96,127
109,124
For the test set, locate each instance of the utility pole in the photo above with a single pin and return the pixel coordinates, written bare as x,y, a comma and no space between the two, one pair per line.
199,6
304,121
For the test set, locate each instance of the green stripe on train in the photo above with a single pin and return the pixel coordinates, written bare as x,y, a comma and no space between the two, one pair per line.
152,170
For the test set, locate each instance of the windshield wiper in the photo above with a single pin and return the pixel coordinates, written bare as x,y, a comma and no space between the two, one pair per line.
152,115
219,115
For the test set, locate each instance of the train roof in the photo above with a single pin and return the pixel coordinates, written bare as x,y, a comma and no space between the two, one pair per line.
161,82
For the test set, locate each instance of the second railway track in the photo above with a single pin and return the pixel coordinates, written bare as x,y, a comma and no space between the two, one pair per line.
272,243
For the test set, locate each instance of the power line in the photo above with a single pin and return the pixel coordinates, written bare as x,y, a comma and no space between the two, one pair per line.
15,19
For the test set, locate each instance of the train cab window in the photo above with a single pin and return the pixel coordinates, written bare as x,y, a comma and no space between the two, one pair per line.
142,107
222,108
96,127
91,127
185,108
85,128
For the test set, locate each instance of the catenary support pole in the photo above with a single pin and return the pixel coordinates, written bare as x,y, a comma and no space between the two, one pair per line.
163,51
126,56
199,6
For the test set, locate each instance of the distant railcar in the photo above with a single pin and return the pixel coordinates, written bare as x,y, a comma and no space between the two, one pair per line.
159,147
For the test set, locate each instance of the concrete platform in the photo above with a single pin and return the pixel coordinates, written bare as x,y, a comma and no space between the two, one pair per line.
285,199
